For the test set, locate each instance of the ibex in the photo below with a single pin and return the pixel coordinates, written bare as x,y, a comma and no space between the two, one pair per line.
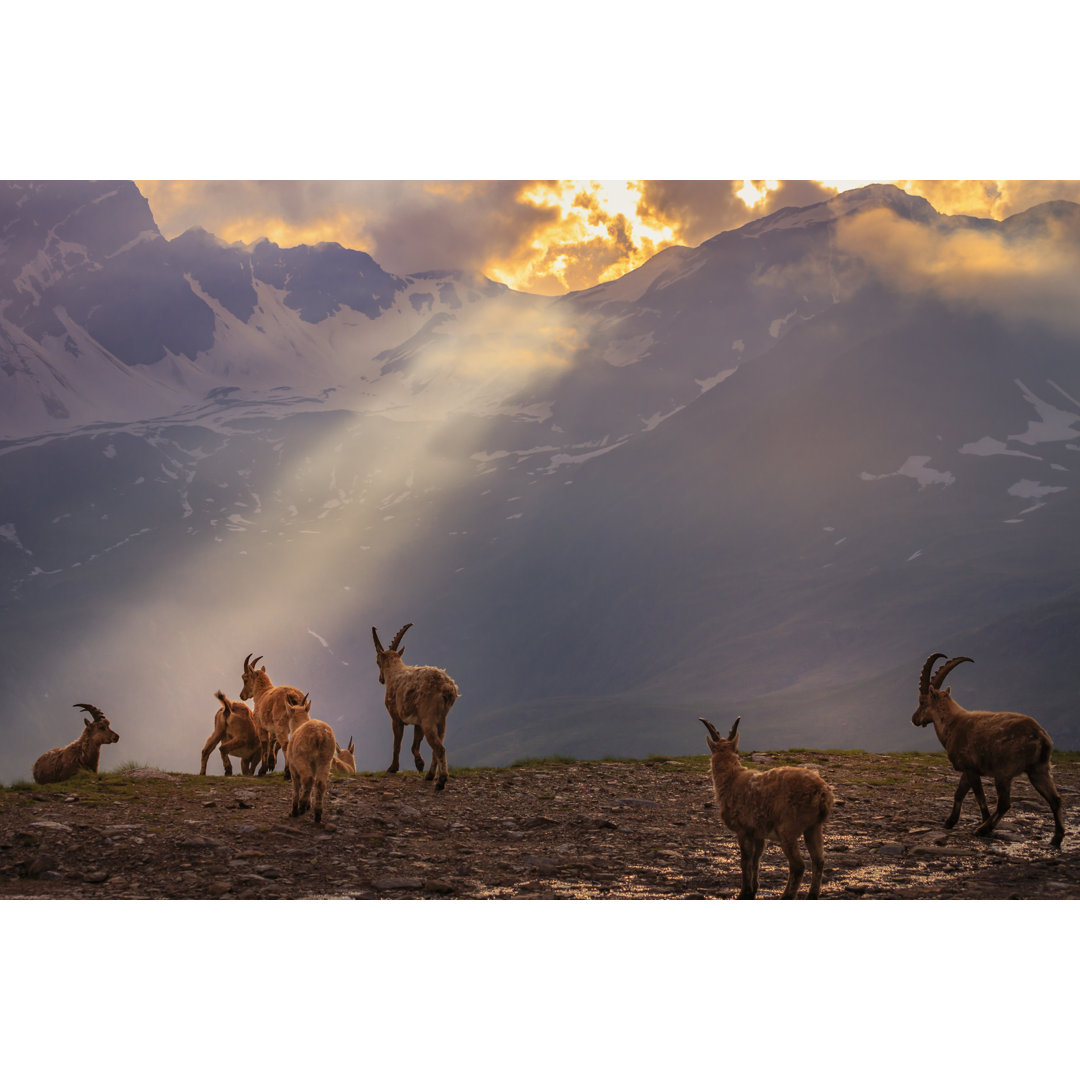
997,744
345,760
63,762
417,695
779,804
310,753
234,728
271,719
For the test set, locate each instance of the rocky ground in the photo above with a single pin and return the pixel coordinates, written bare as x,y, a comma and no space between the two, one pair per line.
544,830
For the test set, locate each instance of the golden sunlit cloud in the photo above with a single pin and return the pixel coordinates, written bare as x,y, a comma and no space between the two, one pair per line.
593,232
1017,279
751,194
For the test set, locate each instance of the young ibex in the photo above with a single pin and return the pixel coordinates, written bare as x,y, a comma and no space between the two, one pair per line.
234,728
271,718
345,760
310,754
997,744
417,695
63,762
779,804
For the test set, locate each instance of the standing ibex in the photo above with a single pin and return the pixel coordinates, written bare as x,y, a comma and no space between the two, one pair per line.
63,762
271,718
777,804
418,695
997,744
310,753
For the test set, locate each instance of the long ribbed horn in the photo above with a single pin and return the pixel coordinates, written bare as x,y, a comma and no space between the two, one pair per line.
93,710
924,678
712,731
939,675
399,635
378,643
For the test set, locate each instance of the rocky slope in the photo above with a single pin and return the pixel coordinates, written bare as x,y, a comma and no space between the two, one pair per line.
544,830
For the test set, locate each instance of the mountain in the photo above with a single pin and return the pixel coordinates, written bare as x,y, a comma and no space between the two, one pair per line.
767,475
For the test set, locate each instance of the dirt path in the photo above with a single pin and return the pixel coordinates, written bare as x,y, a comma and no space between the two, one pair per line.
594,830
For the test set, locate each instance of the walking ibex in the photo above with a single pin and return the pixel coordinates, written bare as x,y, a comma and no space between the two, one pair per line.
418,695
997,744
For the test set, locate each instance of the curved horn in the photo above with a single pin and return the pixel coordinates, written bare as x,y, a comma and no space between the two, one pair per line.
924,677
712,731
734,728
399,635
247,662
306,702
254,662
349,748
93,710
378,643
939,675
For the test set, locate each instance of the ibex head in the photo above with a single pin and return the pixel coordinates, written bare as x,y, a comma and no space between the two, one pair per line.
99,726
715,742
250,677
385,656
299,710
930,692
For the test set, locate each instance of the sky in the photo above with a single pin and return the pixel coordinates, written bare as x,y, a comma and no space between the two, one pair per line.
538,236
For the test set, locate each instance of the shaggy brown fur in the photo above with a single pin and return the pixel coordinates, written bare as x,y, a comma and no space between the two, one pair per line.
234,728
310,754
64,762
778,804
1001,745
270,714
417,695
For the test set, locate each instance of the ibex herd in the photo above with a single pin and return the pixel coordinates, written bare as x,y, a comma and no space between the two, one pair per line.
781,804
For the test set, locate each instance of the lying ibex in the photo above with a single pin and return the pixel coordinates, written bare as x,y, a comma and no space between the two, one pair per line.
63,762
417,695
997,744
309,753
234,728
271,718
779,804
345,760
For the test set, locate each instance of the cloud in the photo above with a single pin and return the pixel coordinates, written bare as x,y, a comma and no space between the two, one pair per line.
1029,274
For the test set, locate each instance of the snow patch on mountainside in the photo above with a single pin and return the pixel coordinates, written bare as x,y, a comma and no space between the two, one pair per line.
915,468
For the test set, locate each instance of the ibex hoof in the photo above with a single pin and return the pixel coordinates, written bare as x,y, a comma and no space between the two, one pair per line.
1058,837
441,784
984,830
393,769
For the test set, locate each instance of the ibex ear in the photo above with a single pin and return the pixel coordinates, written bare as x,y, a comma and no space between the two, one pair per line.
86,721
947,691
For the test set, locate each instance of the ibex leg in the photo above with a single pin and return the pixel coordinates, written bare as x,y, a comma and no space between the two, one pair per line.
958,799
1004,801
746,865
980,795
796,866
208,749
755,861
438,761
399,730
418,761
320,793
815,843
1043,783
